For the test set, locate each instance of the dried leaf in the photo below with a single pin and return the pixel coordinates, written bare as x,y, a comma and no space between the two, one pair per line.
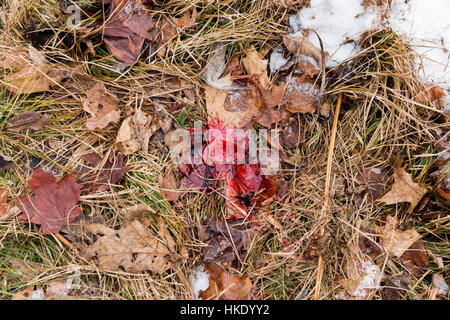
440,284
395,241
225,239
187,20
371,182
127,27
254,64
292,134
135,132
27,120
215,105
106,175
52,206
133,248
364,276
4,206
5,162
404,190
32,79
168,184
226,286
24,294
302,46
102,106
301,95
415,258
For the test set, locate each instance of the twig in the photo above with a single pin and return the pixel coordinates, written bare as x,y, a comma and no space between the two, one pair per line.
63,240
324,212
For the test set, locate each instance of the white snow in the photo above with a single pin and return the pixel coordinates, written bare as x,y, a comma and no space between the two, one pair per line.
370,280
336,21
425,23
199,280
277,60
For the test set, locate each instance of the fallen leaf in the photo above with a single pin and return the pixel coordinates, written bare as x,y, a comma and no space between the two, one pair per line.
292,134
440,284
404,190
14,58
301,95
302,46
395,241
24,294
58,289
102,106
215,106
368,246
104,175
225,240
415,258
27,120
398,285
127,27
371,182
76,232
4,206
52,206
133,247
5,162
364,277
254,64
226,286
135,132
168,184
32,79
187,20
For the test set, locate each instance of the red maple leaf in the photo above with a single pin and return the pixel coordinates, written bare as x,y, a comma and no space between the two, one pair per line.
52,206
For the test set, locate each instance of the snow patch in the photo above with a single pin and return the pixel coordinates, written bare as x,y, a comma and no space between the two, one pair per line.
199,280
277,60
337,22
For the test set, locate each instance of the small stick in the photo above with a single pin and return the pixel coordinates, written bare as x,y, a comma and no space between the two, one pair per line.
324,212
63,240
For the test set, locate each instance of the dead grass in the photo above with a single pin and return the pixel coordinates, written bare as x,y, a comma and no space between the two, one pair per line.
384,116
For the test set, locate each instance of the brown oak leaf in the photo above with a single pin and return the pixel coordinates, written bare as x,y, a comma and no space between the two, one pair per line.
104,175
133,247
52,206
27,120
395,241
404,190
102,106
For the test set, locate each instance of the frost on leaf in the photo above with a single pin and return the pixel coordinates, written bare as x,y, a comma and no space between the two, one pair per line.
52,206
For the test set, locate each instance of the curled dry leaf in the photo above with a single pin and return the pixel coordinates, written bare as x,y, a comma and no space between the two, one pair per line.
404,190
24,294
226,286
104,176
135,132
52,206
133,247
216,67
395,241
127,27
27,120
102,106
